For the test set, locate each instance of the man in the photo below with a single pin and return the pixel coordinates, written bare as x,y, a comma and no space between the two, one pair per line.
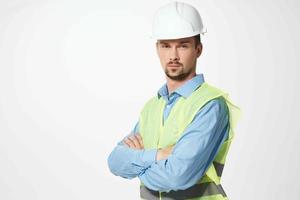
179,145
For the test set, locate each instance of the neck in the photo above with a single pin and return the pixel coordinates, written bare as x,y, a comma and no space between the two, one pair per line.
174,84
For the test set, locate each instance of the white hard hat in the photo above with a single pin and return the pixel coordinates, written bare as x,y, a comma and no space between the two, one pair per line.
176,20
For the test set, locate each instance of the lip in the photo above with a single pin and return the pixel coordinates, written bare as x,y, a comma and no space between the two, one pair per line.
173,65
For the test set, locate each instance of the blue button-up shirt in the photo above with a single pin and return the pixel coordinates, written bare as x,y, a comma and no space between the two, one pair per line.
192,154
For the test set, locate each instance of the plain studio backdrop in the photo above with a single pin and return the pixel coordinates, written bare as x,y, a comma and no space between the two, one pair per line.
74,76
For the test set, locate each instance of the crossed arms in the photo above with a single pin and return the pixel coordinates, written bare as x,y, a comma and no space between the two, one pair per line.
176,167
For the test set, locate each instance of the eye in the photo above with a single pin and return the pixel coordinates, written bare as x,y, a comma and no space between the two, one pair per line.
184,46
164,46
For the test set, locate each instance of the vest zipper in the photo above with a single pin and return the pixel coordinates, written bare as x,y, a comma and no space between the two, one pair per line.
161,121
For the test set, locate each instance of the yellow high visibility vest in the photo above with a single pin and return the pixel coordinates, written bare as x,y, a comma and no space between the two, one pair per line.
155,134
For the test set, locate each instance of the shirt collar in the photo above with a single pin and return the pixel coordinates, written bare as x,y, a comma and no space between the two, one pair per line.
186,89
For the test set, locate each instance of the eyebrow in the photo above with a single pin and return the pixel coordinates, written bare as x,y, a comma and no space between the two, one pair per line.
184,41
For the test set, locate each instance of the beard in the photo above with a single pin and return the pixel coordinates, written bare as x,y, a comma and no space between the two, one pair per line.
177,74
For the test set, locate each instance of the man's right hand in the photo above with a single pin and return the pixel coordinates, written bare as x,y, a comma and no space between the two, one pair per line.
164,153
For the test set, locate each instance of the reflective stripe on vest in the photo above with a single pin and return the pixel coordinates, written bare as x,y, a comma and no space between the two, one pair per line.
203,189
155,134
219,168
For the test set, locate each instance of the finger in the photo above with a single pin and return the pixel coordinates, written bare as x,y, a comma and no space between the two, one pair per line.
139,137
135,141
126,142
129,143
140,140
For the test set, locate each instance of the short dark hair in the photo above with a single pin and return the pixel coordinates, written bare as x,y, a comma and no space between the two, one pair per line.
197,40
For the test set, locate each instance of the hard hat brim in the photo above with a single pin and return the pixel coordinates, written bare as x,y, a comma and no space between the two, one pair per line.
171,37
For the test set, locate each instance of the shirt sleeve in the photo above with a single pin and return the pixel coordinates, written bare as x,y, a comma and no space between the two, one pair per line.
194,151
127,162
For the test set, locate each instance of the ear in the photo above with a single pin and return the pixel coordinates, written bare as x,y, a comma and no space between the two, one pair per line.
199,49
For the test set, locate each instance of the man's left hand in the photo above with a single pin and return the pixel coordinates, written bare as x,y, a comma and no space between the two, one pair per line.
134,141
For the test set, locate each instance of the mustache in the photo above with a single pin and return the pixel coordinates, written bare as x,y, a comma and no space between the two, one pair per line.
172,63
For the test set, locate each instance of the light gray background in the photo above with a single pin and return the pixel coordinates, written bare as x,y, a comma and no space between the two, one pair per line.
75,74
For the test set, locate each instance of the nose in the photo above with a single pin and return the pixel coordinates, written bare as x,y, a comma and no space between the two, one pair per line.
174,55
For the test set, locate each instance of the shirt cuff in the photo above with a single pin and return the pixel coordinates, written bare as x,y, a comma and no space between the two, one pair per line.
149,157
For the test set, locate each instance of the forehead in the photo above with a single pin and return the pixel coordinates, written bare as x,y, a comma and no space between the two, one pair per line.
177,41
